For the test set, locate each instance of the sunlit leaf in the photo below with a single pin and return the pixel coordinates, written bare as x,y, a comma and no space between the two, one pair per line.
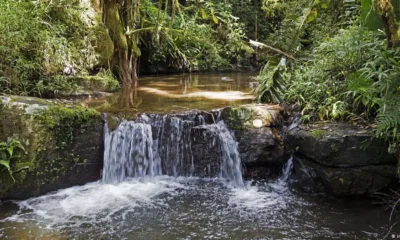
215,19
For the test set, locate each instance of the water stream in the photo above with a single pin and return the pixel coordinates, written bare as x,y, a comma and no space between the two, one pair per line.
156,186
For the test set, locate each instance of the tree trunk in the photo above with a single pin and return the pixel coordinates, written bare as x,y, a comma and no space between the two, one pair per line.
388,16
125,59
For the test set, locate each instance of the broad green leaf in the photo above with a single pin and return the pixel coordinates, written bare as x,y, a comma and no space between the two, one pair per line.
312,16
215,19
369,15
203,14
6,164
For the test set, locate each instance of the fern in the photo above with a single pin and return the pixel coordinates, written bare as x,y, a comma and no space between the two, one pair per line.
7,150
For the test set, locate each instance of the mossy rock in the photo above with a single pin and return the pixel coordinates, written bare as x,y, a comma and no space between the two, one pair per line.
252,116
63,148
318,133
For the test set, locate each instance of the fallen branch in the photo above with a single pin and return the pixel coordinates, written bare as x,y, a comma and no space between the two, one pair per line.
263,45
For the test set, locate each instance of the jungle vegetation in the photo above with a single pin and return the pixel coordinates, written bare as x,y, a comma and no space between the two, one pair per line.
331,59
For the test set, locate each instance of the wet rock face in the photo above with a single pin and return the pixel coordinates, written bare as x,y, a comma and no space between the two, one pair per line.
340,145
206,151
342,182
257,130
53,162
339,160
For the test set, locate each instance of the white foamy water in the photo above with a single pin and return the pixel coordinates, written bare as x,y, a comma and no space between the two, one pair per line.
177,208
100,202
253,199
96,202
272,196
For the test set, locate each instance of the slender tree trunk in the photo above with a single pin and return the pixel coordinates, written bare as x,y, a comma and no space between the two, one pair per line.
388,16
125,59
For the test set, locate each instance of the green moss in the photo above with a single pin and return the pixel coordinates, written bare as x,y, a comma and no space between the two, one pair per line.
318,133
238,117
65,122
104,46
52,139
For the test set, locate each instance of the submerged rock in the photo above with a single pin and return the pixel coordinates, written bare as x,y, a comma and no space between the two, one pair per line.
340,160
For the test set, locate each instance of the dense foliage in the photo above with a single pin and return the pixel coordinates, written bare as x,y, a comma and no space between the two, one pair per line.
204,36
43,42
345,71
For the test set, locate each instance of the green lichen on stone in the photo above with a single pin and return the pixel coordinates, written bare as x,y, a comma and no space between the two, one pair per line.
14,124
238,118
112,123
318,133
65,122
55,141
29,100
335,147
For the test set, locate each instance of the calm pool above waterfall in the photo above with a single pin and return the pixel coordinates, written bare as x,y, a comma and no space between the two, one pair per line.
169,93
153,189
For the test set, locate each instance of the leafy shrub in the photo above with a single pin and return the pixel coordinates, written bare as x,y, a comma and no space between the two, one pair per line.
42,42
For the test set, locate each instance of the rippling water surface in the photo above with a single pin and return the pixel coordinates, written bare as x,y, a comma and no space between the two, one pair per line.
186,208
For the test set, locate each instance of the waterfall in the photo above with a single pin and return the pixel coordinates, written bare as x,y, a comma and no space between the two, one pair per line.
230,159
152,146
287,170
129,153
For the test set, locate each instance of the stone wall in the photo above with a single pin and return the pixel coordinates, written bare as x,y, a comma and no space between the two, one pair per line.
63,146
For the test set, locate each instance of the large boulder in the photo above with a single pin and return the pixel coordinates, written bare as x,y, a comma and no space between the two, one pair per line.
342,182
341,160
257,129
339,145
63,146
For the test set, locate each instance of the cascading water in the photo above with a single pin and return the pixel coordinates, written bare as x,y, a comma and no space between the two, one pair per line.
129,153
230,159
163,145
